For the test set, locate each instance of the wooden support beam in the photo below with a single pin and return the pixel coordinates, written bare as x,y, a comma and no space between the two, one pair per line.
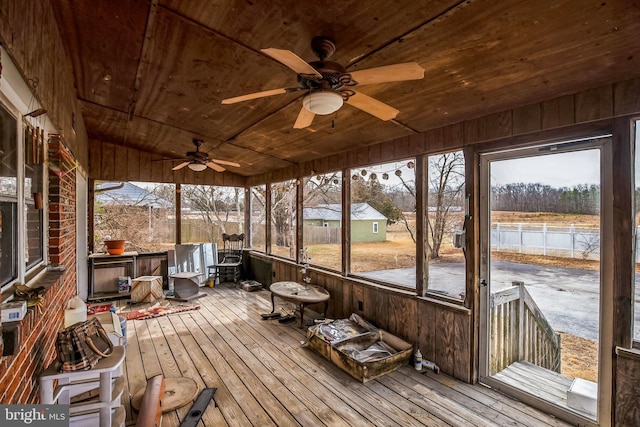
299,219
346,222
178,215
267,219
623,200
422,231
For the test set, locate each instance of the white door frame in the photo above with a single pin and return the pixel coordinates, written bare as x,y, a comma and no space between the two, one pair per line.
605,342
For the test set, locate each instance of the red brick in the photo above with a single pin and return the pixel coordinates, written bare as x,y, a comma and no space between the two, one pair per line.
19,374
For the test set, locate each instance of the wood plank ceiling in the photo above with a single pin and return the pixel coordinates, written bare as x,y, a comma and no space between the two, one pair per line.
151,74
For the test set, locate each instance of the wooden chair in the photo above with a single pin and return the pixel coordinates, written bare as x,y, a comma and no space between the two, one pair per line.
230,264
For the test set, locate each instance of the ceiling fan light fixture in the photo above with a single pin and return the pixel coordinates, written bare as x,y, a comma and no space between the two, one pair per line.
323,102
197,167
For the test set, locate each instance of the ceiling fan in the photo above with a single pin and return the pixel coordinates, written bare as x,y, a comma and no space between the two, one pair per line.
199,160
329,85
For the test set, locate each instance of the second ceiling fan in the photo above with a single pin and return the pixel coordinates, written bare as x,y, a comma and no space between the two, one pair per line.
199,160
329,85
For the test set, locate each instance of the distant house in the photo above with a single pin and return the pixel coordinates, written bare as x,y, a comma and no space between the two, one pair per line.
367,224
126,193
125,210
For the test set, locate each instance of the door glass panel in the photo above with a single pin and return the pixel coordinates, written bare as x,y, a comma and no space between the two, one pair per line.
544,272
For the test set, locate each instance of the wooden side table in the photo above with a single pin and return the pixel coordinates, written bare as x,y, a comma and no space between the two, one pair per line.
298,293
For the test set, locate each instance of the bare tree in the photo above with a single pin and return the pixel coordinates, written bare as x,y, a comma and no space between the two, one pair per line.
140,217
322,189
590,243
217,207
446,184
283,214
258,214
410,189
317,190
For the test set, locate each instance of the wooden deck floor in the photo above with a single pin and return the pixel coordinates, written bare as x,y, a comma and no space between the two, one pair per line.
539,382
265,377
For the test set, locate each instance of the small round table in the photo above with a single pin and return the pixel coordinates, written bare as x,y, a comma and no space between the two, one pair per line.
301,294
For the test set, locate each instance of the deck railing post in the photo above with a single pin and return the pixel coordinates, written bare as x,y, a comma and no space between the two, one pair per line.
520,238
521,314
572,233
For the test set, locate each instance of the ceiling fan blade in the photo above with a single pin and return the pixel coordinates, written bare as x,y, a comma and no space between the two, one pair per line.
373,106
169,160
224,162
292,61
181,165
305,118
216,167
256,95
389,73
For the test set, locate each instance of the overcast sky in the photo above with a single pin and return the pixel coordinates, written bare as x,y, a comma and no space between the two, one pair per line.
557,170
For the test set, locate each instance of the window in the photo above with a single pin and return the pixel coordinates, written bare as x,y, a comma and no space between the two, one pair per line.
8,197
143,214
258,218
283,219
208,212
384,194
21,220
22,181
445,219
322,218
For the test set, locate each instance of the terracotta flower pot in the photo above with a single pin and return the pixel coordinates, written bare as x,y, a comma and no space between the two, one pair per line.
115,247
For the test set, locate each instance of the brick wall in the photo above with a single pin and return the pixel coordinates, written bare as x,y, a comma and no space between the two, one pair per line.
38,330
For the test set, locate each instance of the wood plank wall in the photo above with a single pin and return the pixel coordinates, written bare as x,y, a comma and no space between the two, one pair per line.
110,162
627,409
606,102
29,33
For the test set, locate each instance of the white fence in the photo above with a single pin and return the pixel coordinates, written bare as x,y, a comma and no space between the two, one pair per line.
565,241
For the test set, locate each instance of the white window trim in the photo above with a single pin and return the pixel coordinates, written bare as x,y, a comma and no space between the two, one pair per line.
17,98
376,228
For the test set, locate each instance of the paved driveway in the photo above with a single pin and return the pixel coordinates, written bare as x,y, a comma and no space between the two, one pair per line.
568,297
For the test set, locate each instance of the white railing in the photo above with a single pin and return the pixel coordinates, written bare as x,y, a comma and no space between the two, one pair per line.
558,240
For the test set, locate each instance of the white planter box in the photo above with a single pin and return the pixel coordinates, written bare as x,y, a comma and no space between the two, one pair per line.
583,396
